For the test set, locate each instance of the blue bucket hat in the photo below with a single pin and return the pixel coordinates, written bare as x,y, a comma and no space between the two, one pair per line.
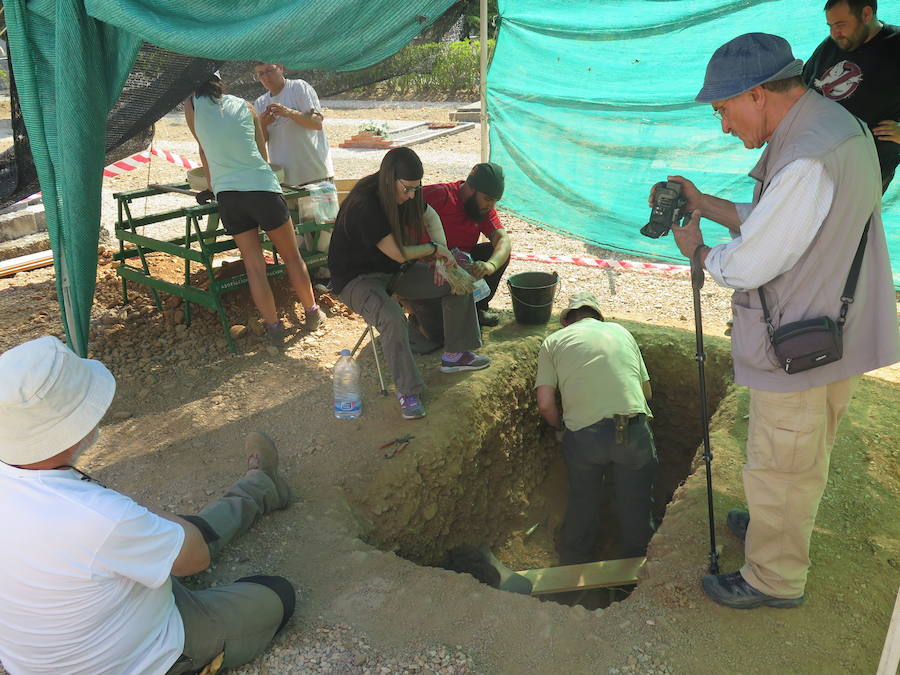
745,62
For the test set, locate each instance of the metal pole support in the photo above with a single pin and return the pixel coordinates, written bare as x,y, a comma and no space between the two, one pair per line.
697,279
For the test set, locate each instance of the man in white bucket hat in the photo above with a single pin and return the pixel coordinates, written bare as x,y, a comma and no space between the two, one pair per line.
599,371
86,574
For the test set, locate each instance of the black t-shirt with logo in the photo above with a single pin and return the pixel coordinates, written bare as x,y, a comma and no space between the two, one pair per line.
865,81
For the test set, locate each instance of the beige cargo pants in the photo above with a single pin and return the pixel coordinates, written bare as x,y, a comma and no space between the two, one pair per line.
788,451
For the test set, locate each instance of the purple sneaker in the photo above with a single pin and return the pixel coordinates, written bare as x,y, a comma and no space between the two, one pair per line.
411,407
466,361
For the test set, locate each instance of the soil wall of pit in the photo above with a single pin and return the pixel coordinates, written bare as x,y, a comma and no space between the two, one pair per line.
483,449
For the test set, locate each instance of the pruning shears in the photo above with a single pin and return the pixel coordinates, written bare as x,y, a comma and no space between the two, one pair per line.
396,445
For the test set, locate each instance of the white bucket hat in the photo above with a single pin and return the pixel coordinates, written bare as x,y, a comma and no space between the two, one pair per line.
49,399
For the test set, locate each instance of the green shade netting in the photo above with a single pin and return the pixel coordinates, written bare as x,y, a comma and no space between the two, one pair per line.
592,101
72,57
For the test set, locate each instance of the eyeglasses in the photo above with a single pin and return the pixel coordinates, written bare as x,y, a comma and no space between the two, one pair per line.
721,113
410,189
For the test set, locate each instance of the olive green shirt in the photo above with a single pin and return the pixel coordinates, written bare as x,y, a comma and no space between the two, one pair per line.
598,369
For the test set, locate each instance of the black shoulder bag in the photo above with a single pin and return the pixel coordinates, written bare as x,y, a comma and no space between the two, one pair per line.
802,345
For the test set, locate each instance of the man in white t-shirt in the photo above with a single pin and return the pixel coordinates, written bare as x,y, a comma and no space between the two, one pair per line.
292,124
87,574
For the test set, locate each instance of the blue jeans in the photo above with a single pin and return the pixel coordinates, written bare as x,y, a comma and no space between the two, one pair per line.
592,458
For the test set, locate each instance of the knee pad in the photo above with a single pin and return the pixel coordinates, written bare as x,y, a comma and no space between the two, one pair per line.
282,588
209,534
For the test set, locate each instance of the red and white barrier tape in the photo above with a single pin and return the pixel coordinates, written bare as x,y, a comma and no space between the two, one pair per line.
129,164
599,263
141,158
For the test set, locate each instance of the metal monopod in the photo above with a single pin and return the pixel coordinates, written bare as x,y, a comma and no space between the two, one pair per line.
697,278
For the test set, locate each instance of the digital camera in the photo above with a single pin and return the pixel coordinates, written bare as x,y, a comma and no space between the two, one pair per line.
668,208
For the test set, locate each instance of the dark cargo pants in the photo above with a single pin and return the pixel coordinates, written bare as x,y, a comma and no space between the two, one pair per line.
239,619
593,455
367,295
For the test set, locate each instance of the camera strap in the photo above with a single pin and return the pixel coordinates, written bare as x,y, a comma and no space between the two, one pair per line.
849,286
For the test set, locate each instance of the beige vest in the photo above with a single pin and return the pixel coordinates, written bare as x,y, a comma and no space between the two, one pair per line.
817,128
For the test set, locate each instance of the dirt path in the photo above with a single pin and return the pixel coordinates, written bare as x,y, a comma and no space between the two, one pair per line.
173,439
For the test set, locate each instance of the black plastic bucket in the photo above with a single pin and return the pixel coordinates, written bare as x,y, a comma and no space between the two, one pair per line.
532,295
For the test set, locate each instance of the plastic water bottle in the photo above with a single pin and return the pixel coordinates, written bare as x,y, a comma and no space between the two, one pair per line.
481,290
347,397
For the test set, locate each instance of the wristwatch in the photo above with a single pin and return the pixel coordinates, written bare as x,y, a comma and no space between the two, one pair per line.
435,244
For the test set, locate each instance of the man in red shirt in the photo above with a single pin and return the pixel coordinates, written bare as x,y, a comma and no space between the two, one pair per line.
466,209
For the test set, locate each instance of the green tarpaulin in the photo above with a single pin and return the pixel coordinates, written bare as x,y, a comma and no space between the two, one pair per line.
591,102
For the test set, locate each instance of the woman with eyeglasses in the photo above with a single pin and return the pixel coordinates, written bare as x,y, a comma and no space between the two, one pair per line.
233,153
375,252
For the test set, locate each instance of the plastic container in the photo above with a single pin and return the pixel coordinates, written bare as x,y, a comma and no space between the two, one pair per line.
320,205
347,396
481,290
532,296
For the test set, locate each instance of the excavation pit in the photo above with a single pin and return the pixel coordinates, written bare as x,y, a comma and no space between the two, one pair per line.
484,469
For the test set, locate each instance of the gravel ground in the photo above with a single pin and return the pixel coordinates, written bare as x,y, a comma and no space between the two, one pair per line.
338,649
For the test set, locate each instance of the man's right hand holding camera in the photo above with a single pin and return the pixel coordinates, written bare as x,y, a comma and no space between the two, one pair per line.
719,210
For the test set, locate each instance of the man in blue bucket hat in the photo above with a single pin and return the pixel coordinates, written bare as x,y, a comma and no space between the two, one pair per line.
816,207
598,369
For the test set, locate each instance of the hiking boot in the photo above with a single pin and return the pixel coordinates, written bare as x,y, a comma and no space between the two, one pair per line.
465,361
314,319
732,590
488,318
276,334
263,455
411,407
738,521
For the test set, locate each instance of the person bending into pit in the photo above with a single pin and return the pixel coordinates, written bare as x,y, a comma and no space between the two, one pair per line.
600,374
233,152
87,575
817,200
376,234
466,209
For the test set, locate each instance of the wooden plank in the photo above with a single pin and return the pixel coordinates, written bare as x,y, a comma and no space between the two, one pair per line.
149,244
345,184
24,263
229,283
602,574
890,655
152,219
189,293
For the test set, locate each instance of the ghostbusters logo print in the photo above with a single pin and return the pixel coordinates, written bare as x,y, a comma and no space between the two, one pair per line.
840,81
